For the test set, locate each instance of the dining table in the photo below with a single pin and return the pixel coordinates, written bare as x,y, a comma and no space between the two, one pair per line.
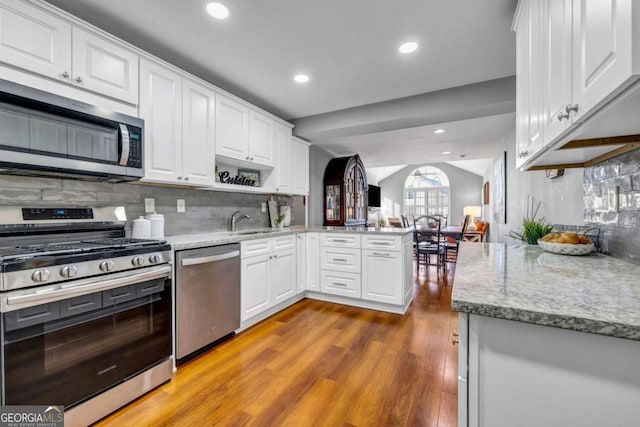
453,231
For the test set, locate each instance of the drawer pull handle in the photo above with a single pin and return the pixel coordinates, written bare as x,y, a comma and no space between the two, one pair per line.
456,338
340,259
340,284
340,240
380,243
379,254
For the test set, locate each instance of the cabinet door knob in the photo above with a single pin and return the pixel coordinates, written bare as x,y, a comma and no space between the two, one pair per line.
179,177
456,338
79,79
571,107
562,116
251,158
186,178
246,158
64,75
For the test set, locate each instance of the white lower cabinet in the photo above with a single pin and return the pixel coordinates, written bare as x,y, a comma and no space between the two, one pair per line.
521,374
340,283
313,261
268,274
301,262
380,272
255,295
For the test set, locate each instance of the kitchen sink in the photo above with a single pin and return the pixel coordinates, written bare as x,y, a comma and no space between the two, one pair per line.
249,232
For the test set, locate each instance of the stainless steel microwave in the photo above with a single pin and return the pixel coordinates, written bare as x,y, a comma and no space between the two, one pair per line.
48,135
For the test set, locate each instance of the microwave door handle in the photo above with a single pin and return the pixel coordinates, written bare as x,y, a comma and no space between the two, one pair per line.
124,144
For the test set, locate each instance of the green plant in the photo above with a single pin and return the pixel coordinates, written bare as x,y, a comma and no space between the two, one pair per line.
532,227
279,219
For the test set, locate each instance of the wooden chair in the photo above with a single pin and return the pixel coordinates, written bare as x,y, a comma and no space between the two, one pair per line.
394,221
451,247
427,242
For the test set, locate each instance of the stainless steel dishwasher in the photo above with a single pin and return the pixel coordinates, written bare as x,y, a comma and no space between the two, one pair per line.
208,296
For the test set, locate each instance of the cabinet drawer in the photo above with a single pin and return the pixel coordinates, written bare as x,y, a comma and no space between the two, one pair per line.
255,247
387,243
284,242
340,240
340,259
340,283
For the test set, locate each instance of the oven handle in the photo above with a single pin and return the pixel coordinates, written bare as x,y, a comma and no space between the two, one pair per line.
42,296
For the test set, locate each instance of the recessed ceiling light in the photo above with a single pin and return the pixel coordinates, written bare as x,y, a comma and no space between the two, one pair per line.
446,152
218,10
439,131
408,47
301,78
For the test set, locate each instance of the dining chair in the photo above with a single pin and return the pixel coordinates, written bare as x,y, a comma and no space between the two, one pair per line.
427,242
405,221
451,247
442,218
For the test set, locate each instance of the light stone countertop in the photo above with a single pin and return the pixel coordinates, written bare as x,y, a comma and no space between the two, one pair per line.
593,293
215,238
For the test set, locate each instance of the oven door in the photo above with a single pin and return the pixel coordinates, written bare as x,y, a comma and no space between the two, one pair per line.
67,350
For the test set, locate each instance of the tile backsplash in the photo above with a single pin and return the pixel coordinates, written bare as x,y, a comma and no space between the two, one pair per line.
205,210
612,203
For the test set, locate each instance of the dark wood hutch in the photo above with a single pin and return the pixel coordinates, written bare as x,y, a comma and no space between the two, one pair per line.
345,192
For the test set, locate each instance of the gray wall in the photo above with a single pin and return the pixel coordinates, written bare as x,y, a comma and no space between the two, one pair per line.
465,189
206,211
318,160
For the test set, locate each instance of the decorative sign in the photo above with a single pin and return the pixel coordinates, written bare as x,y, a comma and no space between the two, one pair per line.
248,178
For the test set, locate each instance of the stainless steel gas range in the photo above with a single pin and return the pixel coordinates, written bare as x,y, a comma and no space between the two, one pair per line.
85,312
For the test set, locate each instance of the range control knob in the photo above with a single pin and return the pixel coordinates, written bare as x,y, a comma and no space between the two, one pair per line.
106,265
40,276
155,259
137,261
68,271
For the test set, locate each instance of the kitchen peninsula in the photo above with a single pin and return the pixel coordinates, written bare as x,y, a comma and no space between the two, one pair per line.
358,266
546,339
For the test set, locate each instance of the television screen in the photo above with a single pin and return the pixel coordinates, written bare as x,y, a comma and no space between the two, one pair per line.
374,196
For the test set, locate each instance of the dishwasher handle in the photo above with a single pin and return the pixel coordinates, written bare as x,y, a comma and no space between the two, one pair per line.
208,259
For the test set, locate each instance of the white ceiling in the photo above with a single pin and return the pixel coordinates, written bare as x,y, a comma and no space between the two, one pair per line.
349,49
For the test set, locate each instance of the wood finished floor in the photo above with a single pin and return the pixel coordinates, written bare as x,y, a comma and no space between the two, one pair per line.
320,364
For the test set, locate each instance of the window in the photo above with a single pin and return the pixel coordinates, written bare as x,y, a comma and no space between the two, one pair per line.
426,192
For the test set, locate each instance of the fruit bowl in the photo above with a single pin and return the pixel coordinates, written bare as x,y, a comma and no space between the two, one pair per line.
567,248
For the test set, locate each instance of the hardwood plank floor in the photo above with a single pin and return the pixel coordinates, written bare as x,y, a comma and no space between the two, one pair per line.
320,364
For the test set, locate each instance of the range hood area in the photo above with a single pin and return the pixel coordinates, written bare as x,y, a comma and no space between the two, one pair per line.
608,132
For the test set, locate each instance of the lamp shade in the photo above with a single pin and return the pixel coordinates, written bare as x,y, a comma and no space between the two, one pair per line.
473,211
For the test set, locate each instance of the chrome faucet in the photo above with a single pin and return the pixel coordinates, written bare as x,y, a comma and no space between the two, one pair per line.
236,219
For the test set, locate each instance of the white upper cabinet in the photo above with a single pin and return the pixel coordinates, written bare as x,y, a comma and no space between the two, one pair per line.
602,50
103,67
300,164
283,169
529,81
198,133
161,110
179,117
261,139
557,67
232,128
573,58
244,134
34,40
41,43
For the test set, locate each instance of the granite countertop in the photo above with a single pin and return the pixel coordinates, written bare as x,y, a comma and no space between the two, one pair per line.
593,293
214,238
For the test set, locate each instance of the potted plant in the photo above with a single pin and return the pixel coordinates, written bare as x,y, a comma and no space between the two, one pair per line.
280,221
533,228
